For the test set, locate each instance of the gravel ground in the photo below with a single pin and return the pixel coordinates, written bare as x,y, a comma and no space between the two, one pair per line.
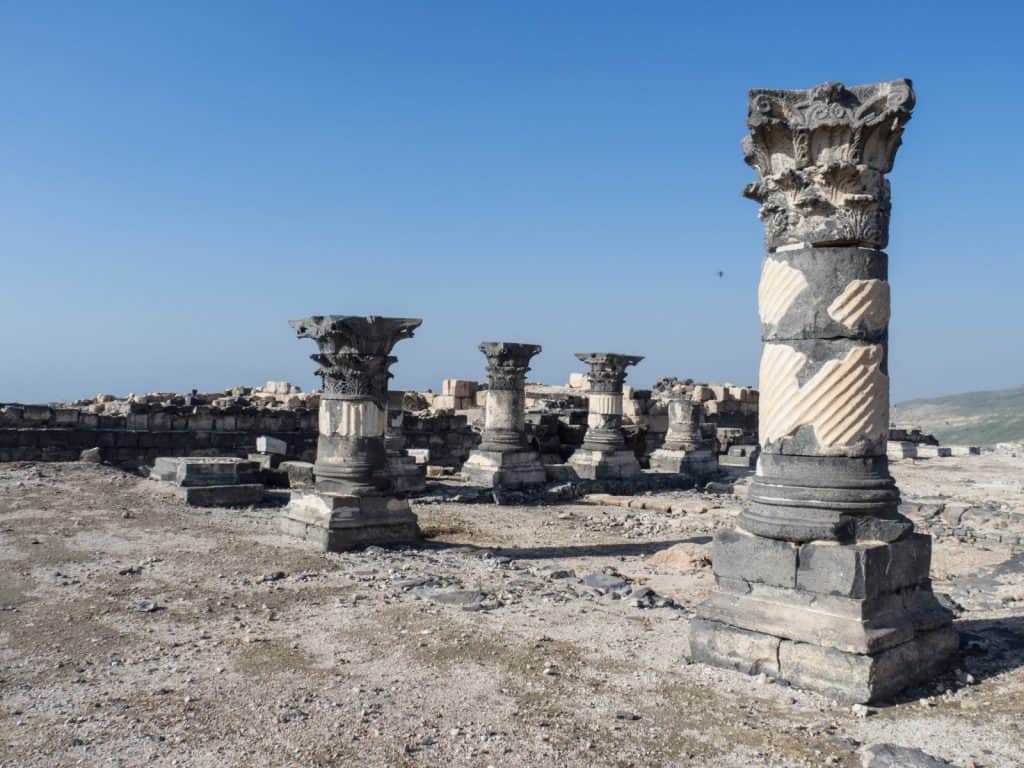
137,631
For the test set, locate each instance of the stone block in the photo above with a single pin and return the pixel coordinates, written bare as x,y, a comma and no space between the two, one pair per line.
864,570
337,522
222,495
507,470
605,465
964,450
443,402
723,646
933,451
845,623
865,679
205,471
901,449
300,473
267,444
737,554
579,381
65,417
419,455
460,388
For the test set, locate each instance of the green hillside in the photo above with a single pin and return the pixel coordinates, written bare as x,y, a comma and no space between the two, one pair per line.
974,418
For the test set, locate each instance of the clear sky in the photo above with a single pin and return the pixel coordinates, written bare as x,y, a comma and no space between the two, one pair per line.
178,180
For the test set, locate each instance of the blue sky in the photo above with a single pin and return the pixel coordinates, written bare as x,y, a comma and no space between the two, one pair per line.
178,180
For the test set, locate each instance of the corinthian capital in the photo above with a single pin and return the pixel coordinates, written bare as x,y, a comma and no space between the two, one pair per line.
821,156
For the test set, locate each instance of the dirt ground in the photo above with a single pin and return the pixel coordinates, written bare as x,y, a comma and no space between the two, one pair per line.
137,631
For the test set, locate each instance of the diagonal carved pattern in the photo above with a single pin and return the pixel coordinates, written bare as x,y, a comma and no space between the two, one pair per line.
845,401
862,302
780,285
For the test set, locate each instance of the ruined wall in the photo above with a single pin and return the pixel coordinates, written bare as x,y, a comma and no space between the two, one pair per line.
46,433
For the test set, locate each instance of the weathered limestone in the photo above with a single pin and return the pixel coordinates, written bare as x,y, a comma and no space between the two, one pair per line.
503,458
216,481
685,450
352,505
406,475
824,584
603,455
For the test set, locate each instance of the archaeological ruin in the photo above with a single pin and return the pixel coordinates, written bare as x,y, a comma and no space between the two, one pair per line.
771,510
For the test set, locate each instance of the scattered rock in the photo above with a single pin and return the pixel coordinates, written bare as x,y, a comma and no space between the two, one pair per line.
892,756
91,455
145,606
466,599
604,583
682,557
273,576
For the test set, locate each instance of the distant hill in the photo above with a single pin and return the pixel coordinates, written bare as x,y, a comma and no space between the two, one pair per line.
975,418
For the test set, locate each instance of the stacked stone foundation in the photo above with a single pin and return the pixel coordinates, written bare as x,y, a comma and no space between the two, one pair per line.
858,622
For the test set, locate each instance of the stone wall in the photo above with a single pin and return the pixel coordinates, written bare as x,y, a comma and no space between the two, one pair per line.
54,433
448,437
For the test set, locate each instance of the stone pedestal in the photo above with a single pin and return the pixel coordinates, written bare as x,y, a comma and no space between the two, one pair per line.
603,455
824,584
353,503
685,450
503,458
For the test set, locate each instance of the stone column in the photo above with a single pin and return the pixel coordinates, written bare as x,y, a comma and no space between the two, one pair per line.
503,458
603,455
824,584
352,506
685,450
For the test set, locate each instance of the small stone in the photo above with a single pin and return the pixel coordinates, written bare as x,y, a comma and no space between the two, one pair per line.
551,671
623,714
145,606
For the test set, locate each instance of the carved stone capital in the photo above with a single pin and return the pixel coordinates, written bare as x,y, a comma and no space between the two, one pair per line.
607,369
354,354
821,156
507,363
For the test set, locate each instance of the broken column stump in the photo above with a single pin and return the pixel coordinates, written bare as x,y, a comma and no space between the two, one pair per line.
503,459
685,449
604,455
352,504
211,481
824,584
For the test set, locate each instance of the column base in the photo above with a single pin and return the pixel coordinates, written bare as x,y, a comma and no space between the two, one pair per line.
338,522
858,622
696,463
504,469
618,464
406,475
854,678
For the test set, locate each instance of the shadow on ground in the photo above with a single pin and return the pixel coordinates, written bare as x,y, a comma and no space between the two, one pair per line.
632,549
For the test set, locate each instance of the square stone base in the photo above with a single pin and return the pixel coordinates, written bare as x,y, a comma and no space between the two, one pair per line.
605,465
222,495
508,469
693,463
337,522
855,678
858,622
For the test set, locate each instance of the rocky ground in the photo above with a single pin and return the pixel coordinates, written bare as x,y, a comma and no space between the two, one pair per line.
136,631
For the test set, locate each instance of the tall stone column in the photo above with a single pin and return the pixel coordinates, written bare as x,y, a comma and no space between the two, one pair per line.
824,584
503,458
685,449
352,506
603,455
